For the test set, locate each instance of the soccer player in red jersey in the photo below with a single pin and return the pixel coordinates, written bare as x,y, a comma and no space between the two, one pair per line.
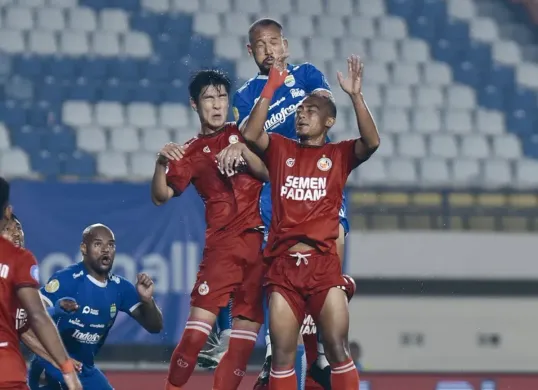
19,283
232,261
307,179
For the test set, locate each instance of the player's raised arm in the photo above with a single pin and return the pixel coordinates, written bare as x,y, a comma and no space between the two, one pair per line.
253,131
164,186
369,141
233,156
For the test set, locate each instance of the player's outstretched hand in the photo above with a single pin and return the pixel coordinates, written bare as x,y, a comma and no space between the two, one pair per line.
352,83
230,159
278,72
72,381
78,365
171,152
144,287
69,305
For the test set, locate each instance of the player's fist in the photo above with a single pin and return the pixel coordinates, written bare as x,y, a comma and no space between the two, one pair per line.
352,83
69,305
144,287
171,152
230,159
277,76
72,381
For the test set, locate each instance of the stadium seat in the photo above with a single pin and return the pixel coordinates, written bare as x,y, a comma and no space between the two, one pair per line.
91,139
109,114
248,6
411,146
434,172
124,139
112,165
401,172
497,173
82,19
14,163
141,165
51,19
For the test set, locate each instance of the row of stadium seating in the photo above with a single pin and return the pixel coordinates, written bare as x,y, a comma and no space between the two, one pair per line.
86,80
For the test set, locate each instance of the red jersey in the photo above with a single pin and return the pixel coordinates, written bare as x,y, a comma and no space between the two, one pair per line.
307,183
18,268
231,202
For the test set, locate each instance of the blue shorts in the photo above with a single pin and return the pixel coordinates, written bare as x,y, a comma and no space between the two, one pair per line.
90,377
266,211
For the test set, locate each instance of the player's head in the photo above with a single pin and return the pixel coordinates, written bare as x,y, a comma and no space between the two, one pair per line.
355,351
315,116
13,231
98,248
209,95
4,203
266,43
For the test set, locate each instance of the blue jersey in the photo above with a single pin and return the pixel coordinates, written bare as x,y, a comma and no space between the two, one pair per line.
302,79
85,331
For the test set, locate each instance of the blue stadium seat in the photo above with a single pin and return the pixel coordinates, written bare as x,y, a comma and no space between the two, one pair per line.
43,114
228,67
479,54
147,22
405,8
423,28
157,70
46,163
201,49
60,139
124,69
113,90
28,66
179,25
79,164
146,91
62,68
95,4
491,97
176,92
446,51
127,5
523,99
50,90
28,138
530,146
13,114
94,68
434,9
467,73
84,89
521,122
166,47
455,30
502,76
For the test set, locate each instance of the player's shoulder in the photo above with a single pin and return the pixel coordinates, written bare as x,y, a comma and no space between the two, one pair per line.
304,67
12,253
70,273
119,280
281,140
247,87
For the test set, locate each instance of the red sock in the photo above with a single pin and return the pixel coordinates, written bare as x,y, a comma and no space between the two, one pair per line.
183,359
231,369
283,380
344,376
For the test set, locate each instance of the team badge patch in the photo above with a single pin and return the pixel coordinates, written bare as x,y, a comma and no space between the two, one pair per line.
233,139
203,289
52,286
113,310
289,81
34,271
290,162
236,113
324,164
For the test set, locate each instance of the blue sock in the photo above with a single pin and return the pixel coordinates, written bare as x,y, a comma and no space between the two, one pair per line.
300,367
224,319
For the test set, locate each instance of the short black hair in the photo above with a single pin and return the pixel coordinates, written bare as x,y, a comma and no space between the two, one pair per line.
4,194
329,101
206,77
16,219
265,22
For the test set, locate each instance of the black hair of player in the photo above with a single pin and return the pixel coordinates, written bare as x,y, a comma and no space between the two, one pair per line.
265,22
205,78
4,194
329,103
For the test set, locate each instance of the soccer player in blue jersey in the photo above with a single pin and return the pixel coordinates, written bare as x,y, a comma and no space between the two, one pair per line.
84,299
266,44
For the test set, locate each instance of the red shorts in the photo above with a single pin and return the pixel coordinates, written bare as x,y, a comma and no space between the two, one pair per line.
305,283
7,386
234,267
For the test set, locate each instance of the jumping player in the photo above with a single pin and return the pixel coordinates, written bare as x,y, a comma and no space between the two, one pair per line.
307,178
232,262
84,299
266,43
19,283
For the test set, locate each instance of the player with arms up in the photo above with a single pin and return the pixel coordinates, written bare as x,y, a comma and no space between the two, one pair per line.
19,283
266,44
232,262
307,179
84,299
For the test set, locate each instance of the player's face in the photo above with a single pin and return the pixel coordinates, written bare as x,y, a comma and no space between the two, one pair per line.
212,106
14,233
100,250
312,118
266,46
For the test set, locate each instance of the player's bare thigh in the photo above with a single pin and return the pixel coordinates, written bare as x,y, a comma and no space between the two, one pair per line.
284,329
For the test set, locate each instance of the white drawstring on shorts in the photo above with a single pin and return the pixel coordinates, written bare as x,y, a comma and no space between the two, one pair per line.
301,257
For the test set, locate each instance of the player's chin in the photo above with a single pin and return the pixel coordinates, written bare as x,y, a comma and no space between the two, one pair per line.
217,121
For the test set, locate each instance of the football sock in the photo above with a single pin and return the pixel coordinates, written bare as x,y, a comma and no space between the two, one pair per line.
344,376
282,379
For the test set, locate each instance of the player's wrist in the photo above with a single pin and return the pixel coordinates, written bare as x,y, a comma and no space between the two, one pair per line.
268,91
67,367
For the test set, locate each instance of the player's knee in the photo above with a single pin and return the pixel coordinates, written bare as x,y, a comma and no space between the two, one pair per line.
335,346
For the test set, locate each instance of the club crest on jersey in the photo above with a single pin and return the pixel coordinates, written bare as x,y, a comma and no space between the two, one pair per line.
233,139
236,113
290,162
52,286
324,164
289,81
113,310
207,150
203,289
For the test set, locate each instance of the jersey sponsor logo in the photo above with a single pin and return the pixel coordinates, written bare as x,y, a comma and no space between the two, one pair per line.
236,113
98,326
78,275
233,139
297,92
89,310
76,322
277,103
86,337
4,271
304,188
277,118
289,81
290,162
34,272
206,149
114,278
52,286
309,326
203,289
324,164
20,318
113,310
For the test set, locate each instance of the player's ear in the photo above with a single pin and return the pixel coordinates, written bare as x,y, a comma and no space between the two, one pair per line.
193,104
330,122
83,249
249,49
285,44
8,213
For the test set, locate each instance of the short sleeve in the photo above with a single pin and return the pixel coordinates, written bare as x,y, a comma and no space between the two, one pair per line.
179,175
26,271
315,80
277,143
54,290
349,158
129,297
241,108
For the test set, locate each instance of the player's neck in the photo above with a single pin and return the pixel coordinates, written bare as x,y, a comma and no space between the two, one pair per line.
206,130
316,141
99,277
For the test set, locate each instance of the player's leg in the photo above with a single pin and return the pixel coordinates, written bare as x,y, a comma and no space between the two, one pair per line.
219,338
333,319
95,379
